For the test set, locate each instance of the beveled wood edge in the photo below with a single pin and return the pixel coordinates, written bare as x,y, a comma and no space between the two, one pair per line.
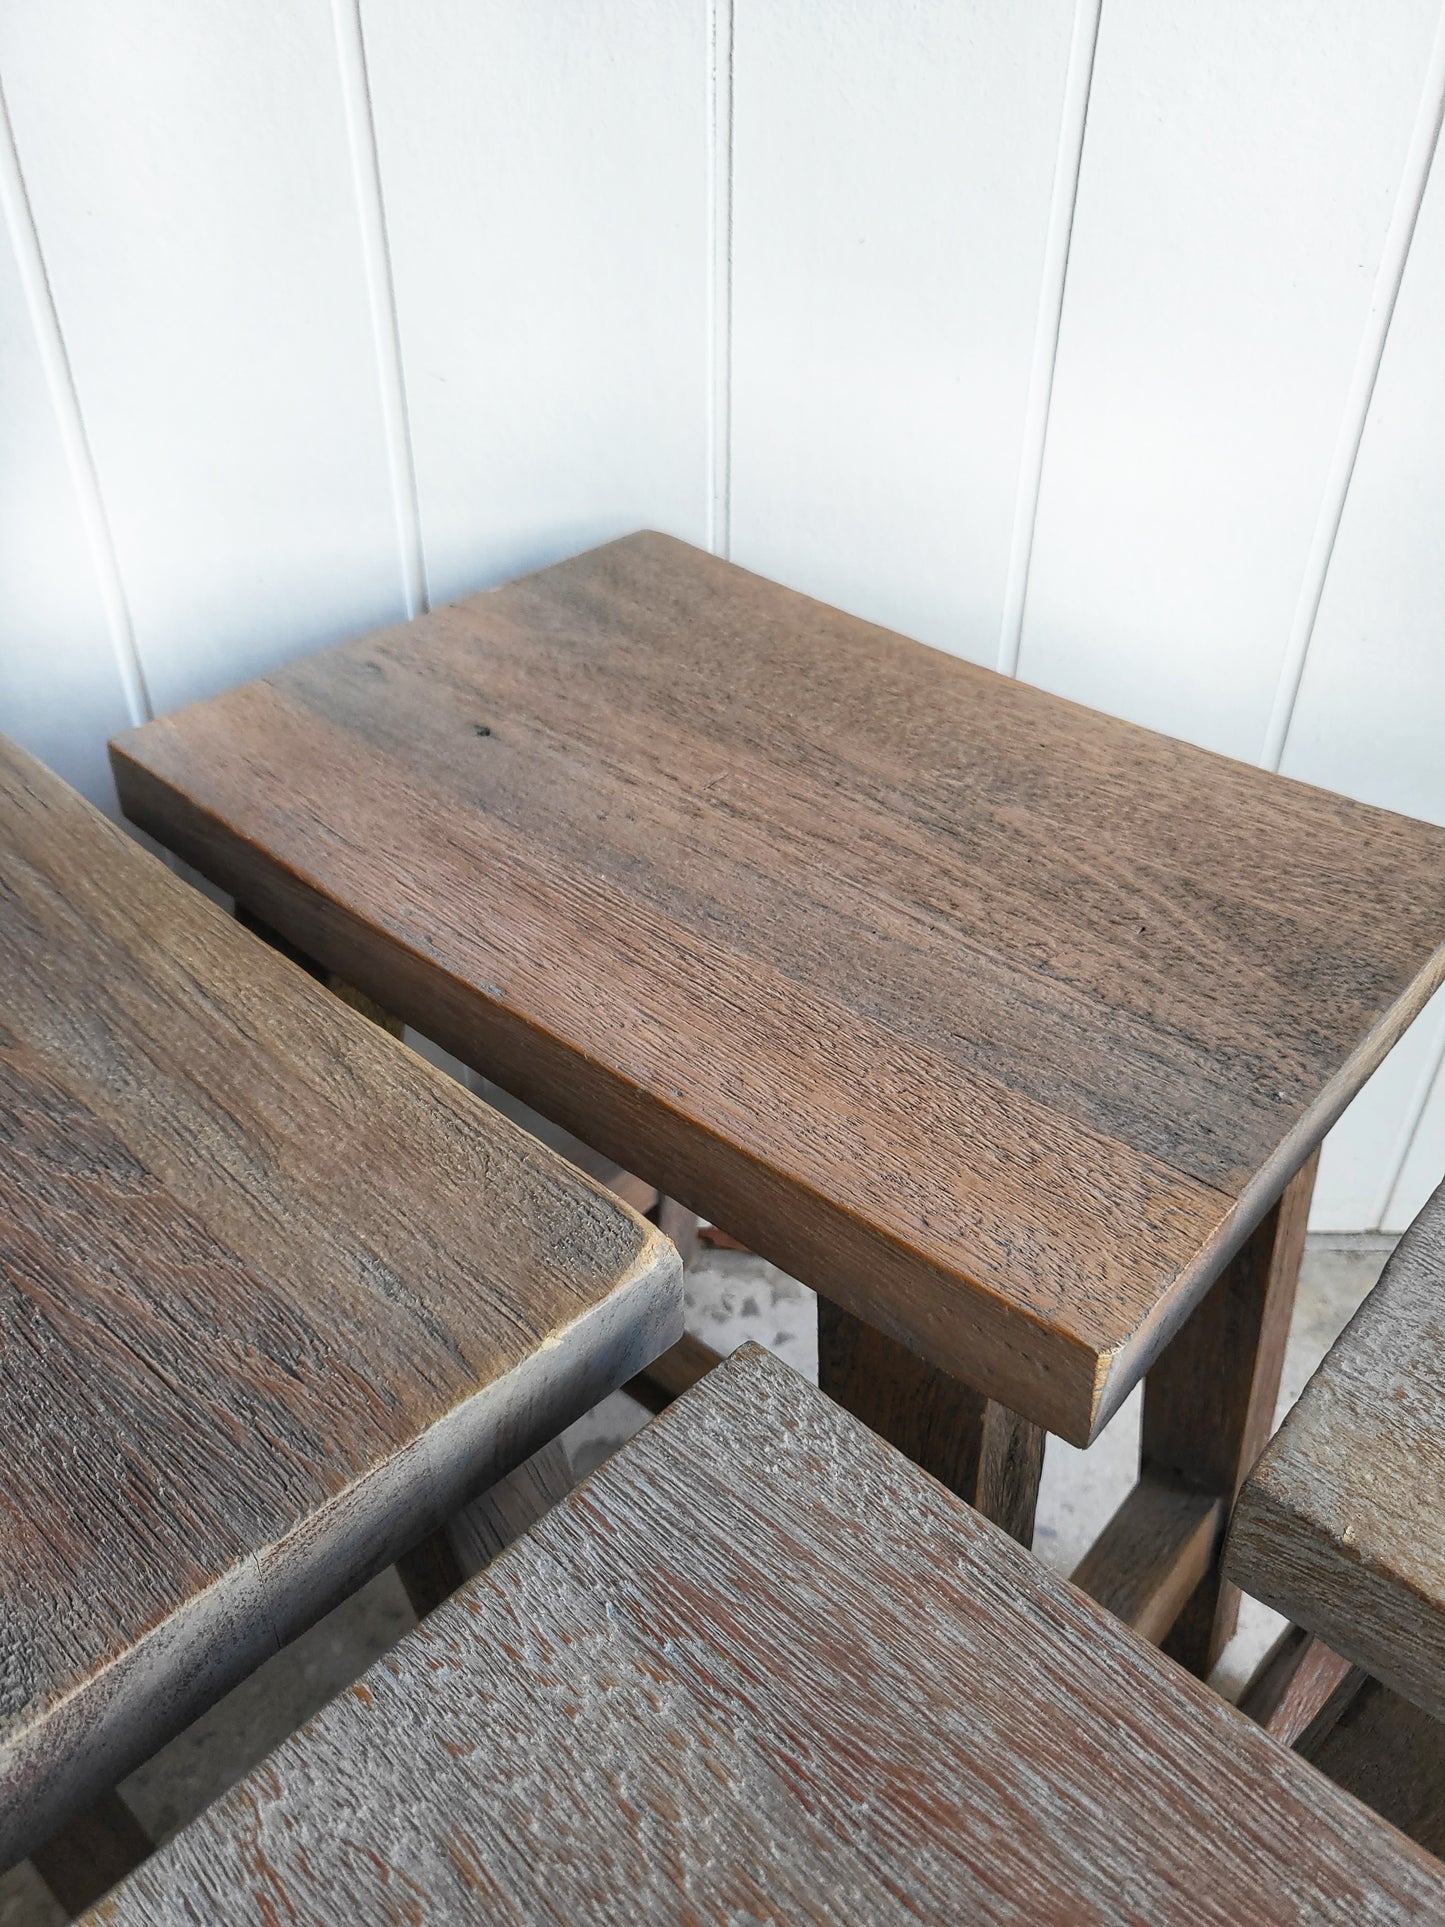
1154,1551
131,1707
1122,1368
1073,1383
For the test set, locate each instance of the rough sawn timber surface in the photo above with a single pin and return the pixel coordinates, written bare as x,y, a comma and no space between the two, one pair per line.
759,1667
999,1021
1342,1523
276,1298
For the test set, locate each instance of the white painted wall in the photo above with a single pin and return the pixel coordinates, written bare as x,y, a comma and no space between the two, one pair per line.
1100,342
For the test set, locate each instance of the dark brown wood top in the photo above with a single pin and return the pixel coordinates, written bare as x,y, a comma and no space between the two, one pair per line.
1341,1525
275,1298
999,1021
761,1668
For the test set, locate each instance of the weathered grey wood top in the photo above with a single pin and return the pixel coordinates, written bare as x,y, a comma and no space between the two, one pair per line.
275,1296
996,1019
760,1667
1342,1523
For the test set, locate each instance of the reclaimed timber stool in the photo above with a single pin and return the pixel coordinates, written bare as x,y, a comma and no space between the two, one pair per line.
759,1667
1341,1526
276,1298
1009,1027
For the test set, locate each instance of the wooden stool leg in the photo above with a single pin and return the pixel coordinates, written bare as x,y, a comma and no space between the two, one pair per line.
675,1221
979,1449
447,1558
1209,1399
86,1859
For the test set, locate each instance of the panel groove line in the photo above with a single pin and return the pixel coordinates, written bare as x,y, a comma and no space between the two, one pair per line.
1053,285
1395,253
381,295
720,315
19,220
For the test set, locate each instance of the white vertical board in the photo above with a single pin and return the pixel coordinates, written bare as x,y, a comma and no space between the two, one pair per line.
892,177
1362,1155
61,694
1370,716
189,172
545,178
1424,1167
1240,170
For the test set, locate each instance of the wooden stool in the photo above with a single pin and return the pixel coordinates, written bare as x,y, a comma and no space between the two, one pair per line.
1010,1027
277,1298
1342,1527
760,1667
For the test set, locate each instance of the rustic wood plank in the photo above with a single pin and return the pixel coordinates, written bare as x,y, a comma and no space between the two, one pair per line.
619,1722
673,1372
1154,1553
276,1297
1000,1022
1300,1688
1209,1400
979,1449
1342,1523
1389,1753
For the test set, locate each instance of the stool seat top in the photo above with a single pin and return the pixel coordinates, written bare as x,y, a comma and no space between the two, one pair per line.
760,1667
1341,1525
1000,1021
275,1297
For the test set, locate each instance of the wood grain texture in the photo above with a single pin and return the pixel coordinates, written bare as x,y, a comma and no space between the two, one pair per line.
1342,1523
1209,1400
276,1297
979,1449
1153,1554
1000,1022
619,1722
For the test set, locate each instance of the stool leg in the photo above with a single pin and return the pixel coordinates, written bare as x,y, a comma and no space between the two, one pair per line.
1209,1399
675,1221
86,1858
447,1558
979,1449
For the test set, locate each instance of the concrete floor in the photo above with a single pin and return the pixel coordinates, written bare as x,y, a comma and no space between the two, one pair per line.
731,1297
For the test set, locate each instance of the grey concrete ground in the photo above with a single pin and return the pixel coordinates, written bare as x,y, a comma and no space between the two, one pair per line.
731,1297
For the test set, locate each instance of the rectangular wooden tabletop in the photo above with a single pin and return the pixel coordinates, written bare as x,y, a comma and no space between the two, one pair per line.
997,1020
761,1668
1342,1523
275,1298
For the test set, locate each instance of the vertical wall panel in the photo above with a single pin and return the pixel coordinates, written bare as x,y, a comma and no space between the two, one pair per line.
1424,1166
1370,717
1363,1153
893,169
1239,174
545,177
189,172
60,688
